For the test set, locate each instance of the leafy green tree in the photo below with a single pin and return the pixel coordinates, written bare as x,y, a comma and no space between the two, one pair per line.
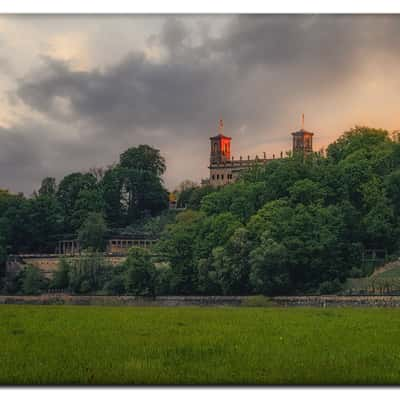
33,281
3,260
88,273
235,280
115,285
212,232
68,193
192,197
142,192
269,268
278,176
227,271
111,188
164,278
61,275
380,229
140,276
241,199
392,188
14,223
176,246
313,238
207,279
306,191
88,202
92,233
134,188
359,137
144,158
45,221
48,187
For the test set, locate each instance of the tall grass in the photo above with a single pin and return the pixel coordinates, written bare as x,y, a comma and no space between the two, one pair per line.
129,345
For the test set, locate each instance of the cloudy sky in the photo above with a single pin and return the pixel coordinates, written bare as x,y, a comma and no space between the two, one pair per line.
75,91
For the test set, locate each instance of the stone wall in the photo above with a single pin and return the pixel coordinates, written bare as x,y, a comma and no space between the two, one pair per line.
48,263
215,301
165,301
337,301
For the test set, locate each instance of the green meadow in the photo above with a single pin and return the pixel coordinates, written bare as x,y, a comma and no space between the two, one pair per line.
131,345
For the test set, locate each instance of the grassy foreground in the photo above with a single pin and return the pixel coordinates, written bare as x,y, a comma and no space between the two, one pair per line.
117,345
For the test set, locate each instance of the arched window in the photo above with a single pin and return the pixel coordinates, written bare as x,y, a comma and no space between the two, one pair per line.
215,147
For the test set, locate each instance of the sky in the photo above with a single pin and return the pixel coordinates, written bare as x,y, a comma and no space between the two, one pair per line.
76,91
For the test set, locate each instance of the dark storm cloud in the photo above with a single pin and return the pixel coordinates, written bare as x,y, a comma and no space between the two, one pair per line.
31,151
21,151
251,75
195,83
133,94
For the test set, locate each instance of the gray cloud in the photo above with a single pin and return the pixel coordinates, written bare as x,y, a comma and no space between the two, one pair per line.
254,73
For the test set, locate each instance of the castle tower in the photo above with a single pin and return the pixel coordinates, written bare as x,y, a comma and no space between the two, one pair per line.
303,140
220,146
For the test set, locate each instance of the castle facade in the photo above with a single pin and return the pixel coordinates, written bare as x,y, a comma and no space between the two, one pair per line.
225,169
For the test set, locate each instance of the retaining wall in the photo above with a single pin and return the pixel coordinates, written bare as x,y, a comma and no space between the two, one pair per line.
234,301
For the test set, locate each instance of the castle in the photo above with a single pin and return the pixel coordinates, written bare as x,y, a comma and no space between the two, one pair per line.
225,169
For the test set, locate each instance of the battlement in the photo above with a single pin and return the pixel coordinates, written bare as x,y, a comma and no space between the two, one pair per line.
225,169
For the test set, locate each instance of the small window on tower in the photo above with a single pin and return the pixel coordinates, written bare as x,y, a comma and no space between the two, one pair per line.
217,176
213,177
222,176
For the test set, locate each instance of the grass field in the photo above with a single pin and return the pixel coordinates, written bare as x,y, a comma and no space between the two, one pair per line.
118,345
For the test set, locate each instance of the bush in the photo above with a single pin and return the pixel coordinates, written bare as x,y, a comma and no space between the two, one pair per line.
116,285
33,281
91,234
140,276
61,276
330,287
89,273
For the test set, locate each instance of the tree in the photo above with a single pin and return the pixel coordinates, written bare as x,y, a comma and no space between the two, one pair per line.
140,277
192,198
235,280
48,187
133,188
45,220
87,202
33,281
212,232
92,233
176,246
61,275
392,188
14,223
3,260
306,191
111,189
115,285
359,137
89,273
142,192
144,158
68,193
185,189
269,271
